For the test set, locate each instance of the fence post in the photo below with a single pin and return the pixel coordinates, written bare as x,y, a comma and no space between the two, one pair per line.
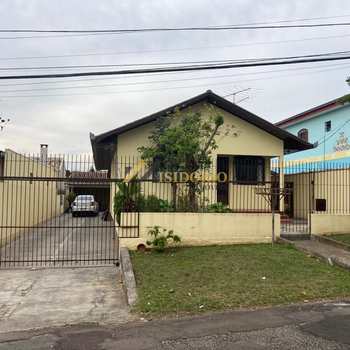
311,197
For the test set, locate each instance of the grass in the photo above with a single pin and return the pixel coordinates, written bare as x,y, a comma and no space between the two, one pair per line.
197,279
344,238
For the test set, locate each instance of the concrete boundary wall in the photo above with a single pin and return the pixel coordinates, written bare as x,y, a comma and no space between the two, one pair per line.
205,228
330,223
25,203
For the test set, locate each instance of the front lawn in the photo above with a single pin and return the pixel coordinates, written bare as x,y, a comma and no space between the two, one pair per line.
343,238
197,279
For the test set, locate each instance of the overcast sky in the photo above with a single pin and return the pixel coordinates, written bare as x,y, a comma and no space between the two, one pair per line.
64,122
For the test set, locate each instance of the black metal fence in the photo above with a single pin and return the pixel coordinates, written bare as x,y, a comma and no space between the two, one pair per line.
295,190
54,211
146,187
315,188
42,223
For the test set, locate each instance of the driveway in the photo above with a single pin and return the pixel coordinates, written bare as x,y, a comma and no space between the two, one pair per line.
33,299
63,240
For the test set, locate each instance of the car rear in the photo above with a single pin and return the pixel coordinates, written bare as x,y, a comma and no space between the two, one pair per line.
84,204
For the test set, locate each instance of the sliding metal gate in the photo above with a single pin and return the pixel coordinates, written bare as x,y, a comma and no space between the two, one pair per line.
37,227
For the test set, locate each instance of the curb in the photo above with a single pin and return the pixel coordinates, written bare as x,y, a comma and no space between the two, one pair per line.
128,276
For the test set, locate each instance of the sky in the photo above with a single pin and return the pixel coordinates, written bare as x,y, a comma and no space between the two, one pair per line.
63,113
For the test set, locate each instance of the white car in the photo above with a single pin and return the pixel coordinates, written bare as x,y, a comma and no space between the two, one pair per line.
84,204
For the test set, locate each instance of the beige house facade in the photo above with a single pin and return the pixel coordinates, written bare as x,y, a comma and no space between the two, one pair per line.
243,140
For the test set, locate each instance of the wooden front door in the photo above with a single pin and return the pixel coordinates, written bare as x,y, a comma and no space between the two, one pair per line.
222,187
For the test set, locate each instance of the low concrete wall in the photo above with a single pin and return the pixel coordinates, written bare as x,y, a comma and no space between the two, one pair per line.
330,223
205,228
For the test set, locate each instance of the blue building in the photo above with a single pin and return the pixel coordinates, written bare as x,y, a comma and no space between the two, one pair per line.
327,127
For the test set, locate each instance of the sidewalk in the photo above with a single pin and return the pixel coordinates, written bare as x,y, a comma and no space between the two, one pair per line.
326,251
310,326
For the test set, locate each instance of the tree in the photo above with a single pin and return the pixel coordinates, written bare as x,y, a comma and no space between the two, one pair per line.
3,122
346,98
183,142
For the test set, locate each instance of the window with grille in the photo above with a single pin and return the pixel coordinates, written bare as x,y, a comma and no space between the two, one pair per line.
249,169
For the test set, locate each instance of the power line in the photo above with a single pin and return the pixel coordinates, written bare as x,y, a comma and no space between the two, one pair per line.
166,88
136,30
174,69
240,24
332,66
176,63
116,53
113,78
85,32
330,136
117,65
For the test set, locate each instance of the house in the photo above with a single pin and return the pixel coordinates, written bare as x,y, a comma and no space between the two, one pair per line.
319,177
26,199
327,126
246,141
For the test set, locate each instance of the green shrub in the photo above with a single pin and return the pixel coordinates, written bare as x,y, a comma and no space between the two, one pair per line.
154,204
127,199
161,238
217,208
183,203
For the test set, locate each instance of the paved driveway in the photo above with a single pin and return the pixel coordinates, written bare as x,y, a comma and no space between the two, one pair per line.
63,240
49,277
31,299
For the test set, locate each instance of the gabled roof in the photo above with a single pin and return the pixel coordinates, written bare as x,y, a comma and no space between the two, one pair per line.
313,112
103,145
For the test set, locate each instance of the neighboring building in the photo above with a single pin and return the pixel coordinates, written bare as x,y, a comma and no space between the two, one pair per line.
327,126
246,140
26,201
319,177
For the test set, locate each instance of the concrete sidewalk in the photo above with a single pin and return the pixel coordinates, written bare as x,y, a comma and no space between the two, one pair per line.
332,254
313,327
33,299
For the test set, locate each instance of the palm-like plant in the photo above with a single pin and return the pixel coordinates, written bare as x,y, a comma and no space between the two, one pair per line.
128,198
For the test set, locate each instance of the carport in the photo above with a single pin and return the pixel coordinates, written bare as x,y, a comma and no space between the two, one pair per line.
89,182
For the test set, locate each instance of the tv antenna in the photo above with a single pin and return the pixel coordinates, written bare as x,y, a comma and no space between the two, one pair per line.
234,94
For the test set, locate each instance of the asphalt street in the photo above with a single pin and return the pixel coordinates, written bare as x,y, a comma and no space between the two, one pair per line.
312,326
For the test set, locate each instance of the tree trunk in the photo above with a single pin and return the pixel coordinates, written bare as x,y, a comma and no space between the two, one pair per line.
174,194
192,196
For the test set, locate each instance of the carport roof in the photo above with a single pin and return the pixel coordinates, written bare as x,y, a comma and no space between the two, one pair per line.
103,145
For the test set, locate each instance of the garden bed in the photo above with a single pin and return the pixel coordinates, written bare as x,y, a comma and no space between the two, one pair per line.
199,279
